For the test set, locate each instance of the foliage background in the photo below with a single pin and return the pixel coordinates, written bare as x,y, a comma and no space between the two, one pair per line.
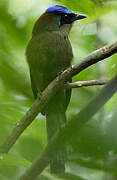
93,153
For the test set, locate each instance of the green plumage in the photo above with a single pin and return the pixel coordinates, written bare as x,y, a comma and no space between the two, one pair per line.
48,54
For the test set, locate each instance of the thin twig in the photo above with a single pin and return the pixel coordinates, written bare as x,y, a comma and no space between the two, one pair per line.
93,164
52,88
80,84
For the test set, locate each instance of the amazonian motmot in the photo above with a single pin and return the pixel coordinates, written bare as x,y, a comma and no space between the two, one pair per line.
49,53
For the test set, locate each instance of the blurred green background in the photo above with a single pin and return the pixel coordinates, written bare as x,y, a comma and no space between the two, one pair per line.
93,153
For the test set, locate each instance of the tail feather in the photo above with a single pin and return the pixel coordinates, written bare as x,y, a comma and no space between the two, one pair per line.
54,122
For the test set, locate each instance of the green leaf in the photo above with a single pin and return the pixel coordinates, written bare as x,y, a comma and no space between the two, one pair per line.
12,160
79,5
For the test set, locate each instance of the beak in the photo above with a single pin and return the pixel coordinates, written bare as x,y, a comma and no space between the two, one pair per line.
80,16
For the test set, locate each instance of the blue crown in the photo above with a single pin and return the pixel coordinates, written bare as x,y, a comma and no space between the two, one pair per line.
58,9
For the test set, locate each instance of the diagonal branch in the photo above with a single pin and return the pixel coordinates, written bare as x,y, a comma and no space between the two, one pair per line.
69,130
52,88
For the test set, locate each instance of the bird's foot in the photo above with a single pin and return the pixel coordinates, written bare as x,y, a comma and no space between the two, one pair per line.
60,72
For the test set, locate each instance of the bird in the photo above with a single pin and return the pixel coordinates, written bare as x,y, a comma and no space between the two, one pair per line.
49,53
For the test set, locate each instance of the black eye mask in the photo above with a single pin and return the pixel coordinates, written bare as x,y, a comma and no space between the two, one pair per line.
67,18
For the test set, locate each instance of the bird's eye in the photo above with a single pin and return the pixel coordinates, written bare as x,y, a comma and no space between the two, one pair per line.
66,18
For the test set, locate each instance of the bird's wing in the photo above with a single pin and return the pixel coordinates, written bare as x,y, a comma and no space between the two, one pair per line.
33,86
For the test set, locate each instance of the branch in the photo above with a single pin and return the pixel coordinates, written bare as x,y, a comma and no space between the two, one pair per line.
52,88
94,165
79,84
69,130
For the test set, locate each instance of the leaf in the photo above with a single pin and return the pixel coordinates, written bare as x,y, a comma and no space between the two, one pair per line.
79,5
12,160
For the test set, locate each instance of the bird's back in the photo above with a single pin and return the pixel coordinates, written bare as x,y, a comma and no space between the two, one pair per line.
48,54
